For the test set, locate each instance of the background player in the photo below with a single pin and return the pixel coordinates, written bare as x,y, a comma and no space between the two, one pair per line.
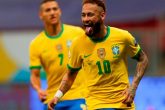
50,51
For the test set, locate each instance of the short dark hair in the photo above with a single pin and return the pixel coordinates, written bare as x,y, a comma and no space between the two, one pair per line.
98,2
44,1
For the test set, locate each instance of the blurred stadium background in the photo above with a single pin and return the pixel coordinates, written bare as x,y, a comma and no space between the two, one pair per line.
19,24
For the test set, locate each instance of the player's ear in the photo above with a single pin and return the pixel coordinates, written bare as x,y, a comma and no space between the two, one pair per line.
103,15
60,12
40,15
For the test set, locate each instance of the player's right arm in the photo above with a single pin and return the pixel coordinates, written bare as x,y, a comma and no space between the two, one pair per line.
35,66
67,80
35,79
66,84
36,84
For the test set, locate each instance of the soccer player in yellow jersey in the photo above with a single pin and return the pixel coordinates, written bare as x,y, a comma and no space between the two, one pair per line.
103,57
50,51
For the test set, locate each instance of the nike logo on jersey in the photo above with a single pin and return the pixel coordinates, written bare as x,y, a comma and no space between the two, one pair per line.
85,56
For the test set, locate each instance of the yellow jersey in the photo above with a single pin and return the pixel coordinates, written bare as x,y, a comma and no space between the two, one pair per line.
51,53
105,66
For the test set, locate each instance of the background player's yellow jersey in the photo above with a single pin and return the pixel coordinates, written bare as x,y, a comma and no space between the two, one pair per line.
105,66
51,53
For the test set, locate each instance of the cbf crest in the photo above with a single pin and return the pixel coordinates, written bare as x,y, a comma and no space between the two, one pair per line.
68,43
115,51
101,53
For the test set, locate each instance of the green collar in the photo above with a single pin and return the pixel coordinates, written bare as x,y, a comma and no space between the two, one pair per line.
57,36
102,39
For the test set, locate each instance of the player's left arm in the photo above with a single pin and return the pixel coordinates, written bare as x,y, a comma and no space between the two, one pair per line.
134,50
140,70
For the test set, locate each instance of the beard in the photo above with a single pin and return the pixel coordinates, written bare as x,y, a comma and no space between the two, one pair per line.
92,29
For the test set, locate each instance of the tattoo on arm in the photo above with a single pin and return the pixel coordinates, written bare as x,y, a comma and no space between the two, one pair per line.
67,81
65,86
140,69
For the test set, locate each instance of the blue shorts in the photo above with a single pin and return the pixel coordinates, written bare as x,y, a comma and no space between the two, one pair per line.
76,104
109,109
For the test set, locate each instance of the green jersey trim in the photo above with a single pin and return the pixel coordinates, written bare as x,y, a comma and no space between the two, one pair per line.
136,57
57,36
102,39
35,67
73,69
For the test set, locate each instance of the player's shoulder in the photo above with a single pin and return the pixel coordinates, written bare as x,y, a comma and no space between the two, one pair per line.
72,27
121,33
38,39
118,30
79,40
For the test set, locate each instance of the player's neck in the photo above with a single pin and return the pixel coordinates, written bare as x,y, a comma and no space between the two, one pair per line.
102,33
53,30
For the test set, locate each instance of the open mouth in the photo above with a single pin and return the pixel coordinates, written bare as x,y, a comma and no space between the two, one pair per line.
88,30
